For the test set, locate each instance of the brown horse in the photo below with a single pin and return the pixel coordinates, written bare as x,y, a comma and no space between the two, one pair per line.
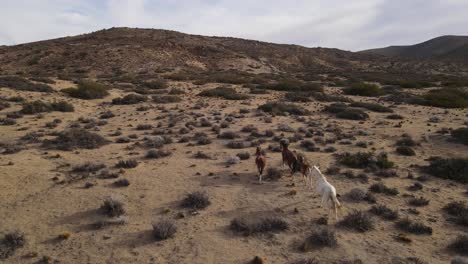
260,161
289,158
304,167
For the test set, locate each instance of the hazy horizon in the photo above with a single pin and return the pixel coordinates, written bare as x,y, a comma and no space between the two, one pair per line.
360,25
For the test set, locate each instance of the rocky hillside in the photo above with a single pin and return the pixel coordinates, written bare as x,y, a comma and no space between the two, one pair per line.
123,50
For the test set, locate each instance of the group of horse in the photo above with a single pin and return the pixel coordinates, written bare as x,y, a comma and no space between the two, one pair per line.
299,163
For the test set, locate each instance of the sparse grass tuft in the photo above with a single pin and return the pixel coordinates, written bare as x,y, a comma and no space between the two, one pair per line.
127,164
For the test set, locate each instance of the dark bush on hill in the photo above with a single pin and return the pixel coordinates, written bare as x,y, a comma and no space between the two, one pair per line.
129,99
461,134
225,93
364,89
22,84
279,108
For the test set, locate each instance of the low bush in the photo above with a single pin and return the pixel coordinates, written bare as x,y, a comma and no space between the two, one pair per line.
76,138
358,221
451,168
405,151
352,114
273,173
324,237
250,226
22,84
164,229
461,135
395,117
166,99
122,183
157,153
372,106
156,84
460,245
364,89
38,106
362,160
129,99
10,243
384,212
421,201
225,93
87,90
279,108
112,207
127,164
382,188
243,155
446,98
413,227
196,200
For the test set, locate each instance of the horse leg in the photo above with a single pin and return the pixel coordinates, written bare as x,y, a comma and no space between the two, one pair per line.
323,200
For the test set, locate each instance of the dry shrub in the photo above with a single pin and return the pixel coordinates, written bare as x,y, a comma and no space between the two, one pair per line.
250,226
196,200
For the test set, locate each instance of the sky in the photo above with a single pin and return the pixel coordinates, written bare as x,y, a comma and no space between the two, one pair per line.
345,24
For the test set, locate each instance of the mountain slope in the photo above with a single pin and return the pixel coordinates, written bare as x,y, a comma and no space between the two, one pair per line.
119,51
442,48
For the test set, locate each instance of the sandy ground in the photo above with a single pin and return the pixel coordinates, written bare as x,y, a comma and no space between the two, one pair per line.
41,207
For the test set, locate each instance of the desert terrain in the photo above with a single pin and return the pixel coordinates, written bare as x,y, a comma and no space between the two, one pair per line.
93,167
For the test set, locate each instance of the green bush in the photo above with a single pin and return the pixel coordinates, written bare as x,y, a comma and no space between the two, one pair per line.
451,168
279,108
38,106
447,98
225,93
352,114
156,84
364,89
461,134
365,159
87,90
373,107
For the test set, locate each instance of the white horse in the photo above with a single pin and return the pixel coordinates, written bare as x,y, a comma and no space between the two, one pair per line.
327,191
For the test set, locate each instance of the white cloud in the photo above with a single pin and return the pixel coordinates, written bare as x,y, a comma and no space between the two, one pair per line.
344,24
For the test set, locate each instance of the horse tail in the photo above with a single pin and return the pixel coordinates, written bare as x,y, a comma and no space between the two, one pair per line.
335,200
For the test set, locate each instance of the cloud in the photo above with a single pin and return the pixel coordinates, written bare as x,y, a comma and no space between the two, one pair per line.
350,25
